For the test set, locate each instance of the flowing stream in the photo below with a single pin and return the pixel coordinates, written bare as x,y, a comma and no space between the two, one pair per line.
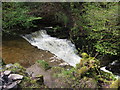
62,48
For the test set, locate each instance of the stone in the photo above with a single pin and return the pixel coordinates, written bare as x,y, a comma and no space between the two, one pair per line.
7,72
1,68
1,74
0,87
63,64
13,85
15,76
9,65
1,79
87,83
39,79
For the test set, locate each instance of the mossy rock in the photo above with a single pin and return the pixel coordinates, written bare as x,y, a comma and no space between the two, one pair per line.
86,83
115,84
57,69
39,79
43,64
17,68
28,82
85,55
83,70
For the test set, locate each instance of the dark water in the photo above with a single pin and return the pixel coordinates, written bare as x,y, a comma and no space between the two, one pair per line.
18,50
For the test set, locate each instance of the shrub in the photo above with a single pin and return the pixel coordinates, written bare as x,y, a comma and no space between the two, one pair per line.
43,64
15,15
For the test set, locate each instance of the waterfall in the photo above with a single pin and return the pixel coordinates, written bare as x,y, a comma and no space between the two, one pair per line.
62,48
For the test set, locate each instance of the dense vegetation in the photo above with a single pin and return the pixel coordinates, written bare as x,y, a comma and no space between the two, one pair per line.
92,27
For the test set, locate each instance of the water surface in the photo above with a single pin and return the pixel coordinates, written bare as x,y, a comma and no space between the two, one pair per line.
18,50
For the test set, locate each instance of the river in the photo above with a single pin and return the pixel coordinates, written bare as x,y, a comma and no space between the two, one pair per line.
26,49
18,50
38,46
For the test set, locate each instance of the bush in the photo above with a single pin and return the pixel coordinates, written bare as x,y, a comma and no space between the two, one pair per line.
43,64
15,15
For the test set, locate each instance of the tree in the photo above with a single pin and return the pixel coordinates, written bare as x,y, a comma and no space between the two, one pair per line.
102,26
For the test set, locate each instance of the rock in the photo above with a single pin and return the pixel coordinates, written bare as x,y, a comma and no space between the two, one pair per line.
0,87
87,83
15,76
1,81
1,68
1,74
9,65
39,79
13,85
7,72
63,64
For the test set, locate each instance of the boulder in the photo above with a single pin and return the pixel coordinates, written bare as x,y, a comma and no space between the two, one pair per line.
13,85
1,74
87,83
39,79
15,77
7,72
63,64
9,65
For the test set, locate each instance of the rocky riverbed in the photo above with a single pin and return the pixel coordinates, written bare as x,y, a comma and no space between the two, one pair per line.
15,76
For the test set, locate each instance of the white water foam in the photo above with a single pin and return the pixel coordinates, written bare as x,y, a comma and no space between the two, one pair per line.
62,48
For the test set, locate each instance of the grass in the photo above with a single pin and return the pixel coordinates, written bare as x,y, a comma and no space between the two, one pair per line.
43,64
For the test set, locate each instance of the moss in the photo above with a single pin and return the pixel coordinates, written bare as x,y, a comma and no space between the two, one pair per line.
43,64
85,83
83,70
84,55
27,81
17,68
115,84
39,79
57,69
90,67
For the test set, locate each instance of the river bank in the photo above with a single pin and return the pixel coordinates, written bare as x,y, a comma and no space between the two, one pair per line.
19,50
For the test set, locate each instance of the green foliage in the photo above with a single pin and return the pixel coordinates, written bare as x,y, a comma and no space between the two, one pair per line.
43,64
15,15
57,70
115,84
27,81
68,73
87,74
84,55
61,17
96,27
86,82
101,21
